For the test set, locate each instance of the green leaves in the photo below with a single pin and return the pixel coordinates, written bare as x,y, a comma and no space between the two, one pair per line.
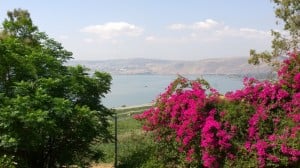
49,113
288,11
19,24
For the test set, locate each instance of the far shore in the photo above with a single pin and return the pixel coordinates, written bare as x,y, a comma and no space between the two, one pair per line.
133,106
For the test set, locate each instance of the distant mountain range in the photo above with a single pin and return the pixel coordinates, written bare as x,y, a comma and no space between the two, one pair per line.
225,66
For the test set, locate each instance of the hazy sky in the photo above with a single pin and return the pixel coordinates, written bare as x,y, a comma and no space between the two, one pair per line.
163,29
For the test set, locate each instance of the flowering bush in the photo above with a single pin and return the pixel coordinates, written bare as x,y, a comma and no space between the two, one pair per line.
257,126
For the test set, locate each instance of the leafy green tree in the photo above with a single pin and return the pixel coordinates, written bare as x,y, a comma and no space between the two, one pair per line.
50,113
288,13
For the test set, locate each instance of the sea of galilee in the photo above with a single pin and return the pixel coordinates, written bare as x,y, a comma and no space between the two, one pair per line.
130,90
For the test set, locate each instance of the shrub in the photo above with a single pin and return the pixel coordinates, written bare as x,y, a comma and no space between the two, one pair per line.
256,126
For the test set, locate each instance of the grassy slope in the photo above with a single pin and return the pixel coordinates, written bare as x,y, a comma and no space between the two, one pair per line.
133,143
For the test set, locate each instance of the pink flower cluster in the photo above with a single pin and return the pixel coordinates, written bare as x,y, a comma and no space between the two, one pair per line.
276,120
185,113
206,128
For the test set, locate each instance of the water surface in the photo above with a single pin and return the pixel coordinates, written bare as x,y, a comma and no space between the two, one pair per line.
131,90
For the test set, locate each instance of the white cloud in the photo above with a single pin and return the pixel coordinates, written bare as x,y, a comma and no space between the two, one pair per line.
248,32
207,24
243,33
113,29
211,30
201,25
194,40
177,26
150,38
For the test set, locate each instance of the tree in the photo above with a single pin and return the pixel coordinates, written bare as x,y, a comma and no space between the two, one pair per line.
19,24
288,11
49,113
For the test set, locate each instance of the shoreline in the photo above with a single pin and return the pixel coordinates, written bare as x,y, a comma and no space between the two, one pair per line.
132,106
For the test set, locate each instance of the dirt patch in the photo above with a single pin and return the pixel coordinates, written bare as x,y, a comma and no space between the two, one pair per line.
103,165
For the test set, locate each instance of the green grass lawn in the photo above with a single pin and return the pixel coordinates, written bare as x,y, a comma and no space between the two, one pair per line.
134,145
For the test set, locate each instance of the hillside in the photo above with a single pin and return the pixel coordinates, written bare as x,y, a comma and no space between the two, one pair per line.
227,66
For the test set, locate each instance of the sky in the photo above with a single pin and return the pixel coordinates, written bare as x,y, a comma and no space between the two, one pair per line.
154,29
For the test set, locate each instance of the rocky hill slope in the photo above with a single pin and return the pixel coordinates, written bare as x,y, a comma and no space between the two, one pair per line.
227,66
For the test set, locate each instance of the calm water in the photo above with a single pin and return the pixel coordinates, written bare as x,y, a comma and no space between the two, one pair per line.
141,89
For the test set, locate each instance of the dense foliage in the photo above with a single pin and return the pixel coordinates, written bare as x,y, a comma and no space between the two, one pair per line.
288,39
49,113
257,126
